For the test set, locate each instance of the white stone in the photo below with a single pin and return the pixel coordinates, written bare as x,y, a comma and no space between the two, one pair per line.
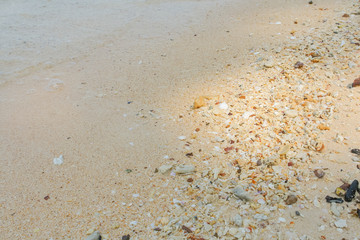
321,228
233,231
238,221
59,160
341,223
316,202
335,210
269,64
240,193
291,113
182,137
94,236
223,106
184,169
164,168
260,217
207,227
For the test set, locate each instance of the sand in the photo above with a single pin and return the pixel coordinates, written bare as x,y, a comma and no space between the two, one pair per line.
112,92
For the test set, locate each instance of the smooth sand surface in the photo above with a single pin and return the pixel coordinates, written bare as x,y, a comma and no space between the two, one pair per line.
78,80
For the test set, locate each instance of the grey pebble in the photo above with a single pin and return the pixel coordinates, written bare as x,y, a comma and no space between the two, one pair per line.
240,193
94,236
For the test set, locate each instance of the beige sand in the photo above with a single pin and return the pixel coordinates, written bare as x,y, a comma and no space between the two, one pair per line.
98,117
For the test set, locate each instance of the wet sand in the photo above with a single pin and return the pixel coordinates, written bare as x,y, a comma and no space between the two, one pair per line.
111,99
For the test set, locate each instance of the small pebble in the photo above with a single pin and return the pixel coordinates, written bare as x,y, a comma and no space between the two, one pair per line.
341,223
125,237
350,193
59,160
164,168
199,102
94,236
184,169
238,221
240,193
298,64
291,199
319,173
355,151
334,209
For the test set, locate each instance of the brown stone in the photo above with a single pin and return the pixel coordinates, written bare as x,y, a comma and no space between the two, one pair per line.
199,102
298,64
323,127
291,199
356,82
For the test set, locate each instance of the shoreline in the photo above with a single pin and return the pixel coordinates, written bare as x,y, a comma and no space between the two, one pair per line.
113,141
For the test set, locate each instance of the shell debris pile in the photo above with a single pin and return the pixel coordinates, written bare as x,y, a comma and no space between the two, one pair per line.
253,143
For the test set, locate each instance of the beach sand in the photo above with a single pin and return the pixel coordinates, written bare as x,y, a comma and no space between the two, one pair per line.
112,93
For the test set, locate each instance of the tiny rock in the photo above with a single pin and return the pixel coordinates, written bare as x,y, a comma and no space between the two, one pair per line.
186,229
334,209
182,138
323,127
199,102
233,231
94,236
269,64
319,173
238,221
355,151
184,169
164,220
291,113
125,237
59,160
240,193
298,64
341,223
164,168
316,202
356,82
350,193
223,106
339,138
346,15
283,151
291,199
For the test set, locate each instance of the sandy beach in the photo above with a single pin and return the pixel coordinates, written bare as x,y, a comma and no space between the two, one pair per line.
179,119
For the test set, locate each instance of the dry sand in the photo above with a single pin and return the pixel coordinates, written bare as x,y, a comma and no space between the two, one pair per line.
114,99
